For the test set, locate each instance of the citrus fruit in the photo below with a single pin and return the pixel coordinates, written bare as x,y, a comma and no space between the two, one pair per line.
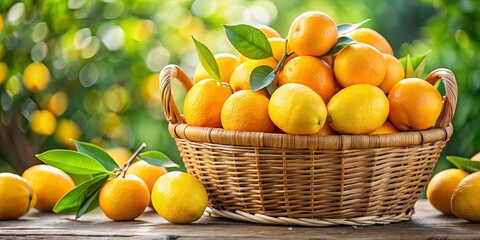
414,104
226,64
268,31
312,33
312,72
147,172
17,196
3,72
441,187
247,111
49,184
119,154
179,197
386,128
297,109
465,202
359,63
372,38
124,198
326,130
394,73
67,130
43,122
358,109
203,103
240,79
36,77
57,103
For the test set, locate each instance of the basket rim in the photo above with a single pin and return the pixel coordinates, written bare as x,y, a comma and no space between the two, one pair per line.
310,142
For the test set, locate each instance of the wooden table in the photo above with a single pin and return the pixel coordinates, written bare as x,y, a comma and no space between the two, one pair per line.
427,223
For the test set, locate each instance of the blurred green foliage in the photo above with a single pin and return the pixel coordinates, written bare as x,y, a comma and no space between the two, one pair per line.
106,56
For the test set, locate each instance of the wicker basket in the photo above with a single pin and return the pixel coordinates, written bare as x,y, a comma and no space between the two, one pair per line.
274,178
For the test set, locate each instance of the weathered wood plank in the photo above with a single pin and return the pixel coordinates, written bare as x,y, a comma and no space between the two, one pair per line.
426,223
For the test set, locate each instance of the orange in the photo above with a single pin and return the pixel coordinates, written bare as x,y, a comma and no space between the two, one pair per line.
312,33
247,111
226,64
179,197
372,38
3,72
278,49
326,130
359,63
147,172
67,130
386,128
17,196
297,109
268,31
394,74
465,198
441,187
43,122
358,109
49,183
36,77
124,198
57,103
240,79
203,103
312,72
414,104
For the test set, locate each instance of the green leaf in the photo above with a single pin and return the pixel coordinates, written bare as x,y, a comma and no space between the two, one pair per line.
71,162
207,59
407,66
89,204
342,42
419,64
97,153
73,199
349,27
249,41
157,158
261,77
465,164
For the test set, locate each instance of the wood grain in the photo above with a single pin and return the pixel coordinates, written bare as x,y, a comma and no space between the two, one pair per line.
426,223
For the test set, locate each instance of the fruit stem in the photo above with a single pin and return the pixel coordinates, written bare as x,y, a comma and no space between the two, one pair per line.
134,155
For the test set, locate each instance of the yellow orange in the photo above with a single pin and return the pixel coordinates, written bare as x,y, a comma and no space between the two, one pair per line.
57,103
247,111
3,72
312,72
441,187
226,64
386,128
43,122
394,74
359,64
240,79
312,33
372,38
268,31
465,198
36,77
414,104
67,130
203,103
17,196
119,154
49,183
147,172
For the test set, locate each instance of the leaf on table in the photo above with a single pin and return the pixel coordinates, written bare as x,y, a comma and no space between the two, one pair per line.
249,41
342,42
346,28
73,199
72,162
157,158
97,153
261,77
207,59
465,164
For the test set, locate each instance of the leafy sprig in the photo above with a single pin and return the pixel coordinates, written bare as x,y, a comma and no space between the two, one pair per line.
93,161
465,164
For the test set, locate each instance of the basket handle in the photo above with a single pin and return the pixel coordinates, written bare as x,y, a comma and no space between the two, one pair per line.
451,94
170,108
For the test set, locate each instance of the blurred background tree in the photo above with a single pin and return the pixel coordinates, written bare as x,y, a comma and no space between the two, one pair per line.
88,70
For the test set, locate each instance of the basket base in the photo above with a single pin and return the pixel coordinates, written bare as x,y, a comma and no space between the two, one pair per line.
263,219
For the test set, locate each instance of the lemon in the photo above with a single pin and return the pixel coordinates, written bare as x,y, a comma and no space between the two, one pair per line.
358,109
465,198
17,196
179,197
441,187
297,109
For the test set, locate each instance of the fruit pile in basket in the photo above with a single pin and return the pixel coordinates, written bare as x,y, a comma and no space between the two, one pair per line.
322,79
